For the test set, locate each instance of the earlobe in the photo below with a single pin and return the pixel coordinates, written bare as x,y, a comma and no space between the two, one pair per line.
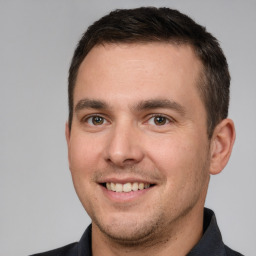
221,145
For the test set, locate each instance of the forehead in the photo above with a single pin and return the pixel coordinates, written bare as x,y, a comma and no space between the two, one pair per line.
133,70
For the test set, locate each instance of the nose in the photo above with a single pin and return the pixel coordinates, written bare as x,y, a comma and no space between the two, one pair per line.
124,146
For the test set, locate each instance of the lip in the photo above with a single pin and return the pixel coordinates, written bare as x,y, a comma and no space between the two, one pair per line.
125,180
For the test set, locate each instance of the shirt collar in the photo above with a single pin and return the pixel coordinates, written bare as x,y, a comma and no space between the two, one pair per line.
211,242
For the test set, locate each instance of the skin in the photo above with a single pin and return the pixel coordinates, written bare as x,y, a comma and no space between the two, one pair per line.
126,86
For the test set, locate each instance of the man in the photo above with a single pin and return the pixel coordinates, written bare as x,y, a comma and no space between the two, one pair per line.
148,106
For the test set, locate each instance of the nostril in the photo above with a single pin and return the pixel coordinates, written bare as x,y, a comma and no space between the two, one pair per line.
129,161
122,163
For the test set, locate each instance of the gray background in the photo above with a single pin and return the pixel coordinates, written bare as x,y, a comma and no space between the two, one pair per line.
39,209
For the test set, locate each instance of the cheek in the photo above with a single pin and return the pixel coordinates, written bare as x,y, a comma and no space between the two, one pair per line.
184,164
83,154
178,158
170,152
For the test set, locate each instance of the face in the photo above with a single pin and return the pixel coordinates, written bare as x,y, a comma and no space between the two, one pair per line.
138,146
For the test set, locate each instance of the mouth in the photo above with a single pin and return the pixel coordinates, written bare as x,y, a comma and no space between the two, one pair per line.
126,187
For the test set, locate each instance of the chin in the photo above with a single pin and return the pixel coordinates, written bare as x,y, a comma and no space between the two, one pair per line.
130,232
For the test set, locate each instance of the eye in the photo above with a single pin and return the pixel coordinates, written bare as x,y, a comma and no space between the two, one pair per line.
96,120
158,120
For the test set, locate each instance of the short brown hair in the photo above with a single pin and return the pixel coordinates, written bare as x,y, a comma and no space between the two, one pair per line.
150,24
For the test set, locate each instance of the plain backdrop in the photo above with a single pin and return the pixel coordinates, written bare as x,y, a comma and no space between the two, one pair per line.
39,209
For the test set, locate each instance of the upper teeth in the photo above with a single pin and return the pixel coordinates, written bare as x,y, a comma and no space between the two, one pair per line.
127,187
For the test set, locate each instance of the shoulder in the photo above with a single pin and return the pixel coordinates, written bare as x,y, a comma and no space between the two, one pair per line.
83,247
231,252
67,250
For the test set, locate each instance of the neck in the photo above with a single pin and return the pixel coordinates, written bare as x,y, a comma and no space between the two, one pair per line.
183,236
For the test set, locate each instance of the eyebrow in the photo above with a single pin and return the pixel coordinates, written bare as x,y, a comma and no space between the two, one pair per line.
160,103
88,103
143,105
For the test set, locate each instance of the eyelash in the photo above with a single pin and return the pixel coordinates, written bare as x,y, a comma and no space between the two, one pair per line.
167,118
85,119
166,121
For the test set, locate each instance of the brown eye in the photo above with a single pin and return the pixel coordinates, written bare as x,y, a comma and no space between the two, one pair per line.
96,120
160,120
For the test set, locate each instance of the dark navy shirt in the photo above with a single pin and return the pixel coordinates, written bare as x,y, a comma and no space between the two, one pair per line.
211,243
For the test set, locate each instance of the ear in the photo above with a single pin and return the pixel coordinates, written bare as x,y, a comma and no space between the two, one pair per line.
221,145
67,134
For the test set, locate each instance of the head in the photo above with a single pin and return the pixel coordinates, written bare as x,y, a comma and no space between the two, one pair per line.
144,25
148,98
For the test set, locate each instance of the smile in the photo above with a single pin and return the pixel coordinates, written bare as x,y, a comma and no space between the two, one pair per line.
127,187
